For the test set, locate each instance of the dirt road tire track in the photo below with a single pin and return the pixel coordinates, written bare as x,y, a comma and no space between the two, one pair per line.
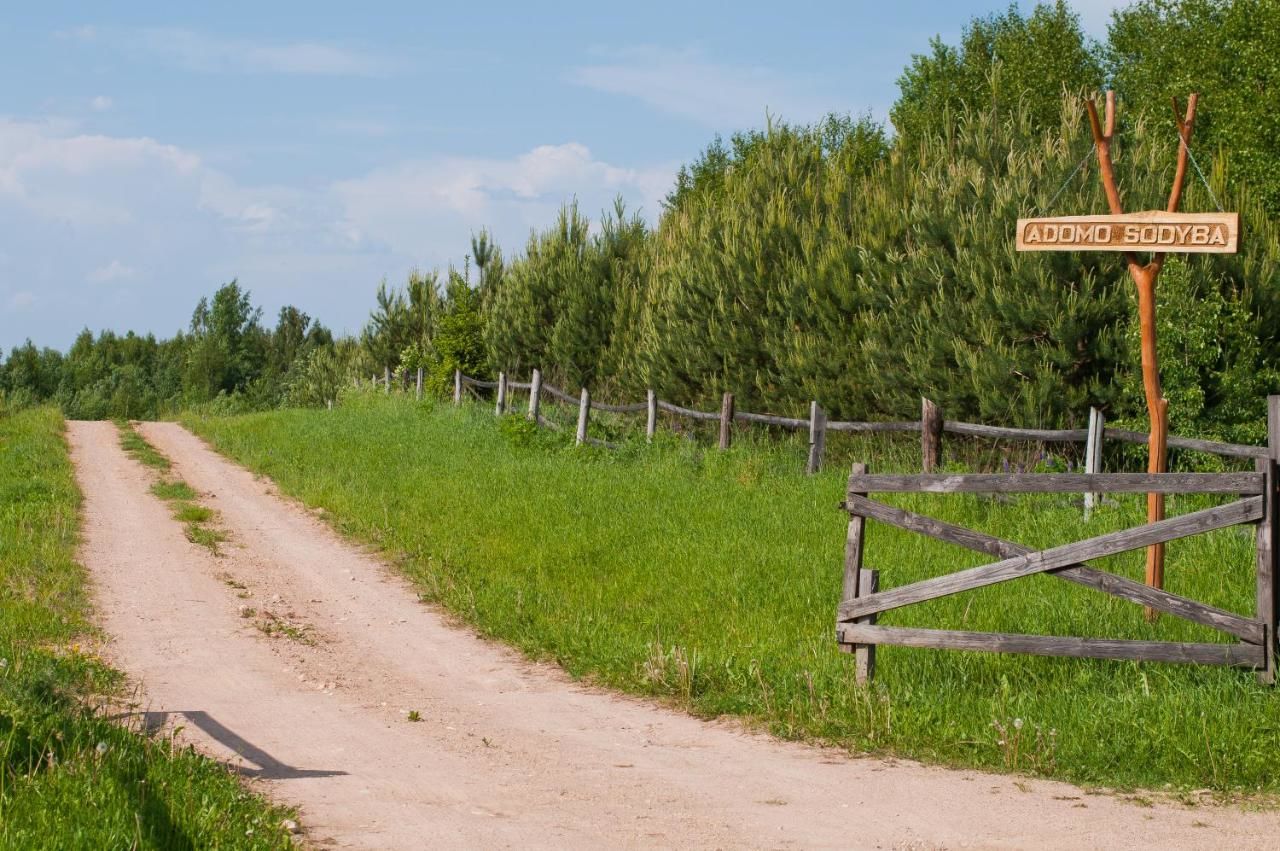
508,753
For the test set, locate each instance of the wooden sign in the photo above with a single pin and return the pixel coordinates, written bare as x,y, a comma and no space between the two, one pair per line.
1184,233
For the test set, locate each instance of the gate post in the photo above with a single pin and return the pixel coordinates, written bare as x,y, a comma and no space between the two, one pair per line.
858,583
1267,606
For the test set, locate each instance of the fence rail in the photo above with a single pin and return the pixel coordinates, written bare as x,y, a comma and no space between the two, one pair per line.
931,425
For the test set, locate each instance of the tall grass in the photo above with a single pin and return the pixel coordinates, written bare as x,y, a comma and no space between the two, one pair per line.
710,579
69,776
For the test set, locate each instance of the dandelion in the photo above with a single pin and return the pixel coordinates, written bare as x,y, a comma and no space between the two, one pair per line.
4,663
1017,723
101,749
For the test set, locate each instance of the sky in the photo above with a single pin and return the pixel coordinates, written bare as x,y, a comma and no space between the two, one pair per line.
151,152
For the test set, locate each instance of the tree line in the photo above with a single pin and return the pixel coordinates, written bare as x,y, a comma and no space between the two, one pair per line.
842,260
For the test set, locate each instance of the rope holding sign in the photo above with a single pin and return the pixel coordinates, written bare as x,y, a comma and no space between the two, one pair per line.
1200,174
1083,161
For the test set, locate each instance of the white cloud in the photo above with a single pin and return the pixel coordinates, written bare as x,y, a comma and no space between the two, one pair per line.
418,208
165,227
101,103
687,84
113,271
196,51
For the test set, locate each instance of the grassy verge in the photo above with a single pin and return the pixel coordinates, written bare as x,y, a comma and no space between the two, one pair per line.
69,777
711,579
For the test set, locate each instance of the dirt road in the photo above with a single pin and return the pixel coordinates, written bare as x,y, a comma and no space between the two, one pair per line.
507,753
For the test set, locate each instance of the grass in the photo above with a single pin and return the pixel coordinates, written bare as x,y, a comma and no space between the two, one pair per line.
710,580
139,449
198,520
69,776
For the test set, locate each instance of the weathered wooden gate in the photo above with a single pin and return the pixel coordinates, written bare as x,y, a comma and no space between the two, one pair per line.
862,601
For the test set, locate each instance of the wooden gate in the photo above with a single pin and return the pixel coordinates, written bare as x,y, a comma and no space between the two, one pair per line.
862,600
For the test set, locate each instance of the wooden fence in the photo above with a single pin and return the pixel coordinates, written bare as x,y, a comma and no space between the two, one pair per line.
931,426
1255,647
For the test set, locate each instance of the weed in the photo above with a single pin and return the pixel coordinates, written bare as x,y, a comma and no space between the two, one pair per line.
414,715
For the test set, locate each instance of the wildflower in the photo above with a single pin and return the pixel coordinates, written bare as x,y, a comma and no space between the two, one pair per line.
1017,723
4,663
101,749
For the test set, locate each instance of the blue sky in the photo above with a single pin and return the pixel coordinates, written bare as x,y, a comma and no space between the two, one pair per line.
150,153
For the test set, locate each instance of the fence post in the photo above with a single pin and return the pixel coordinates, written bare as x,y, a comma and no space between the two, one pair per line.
726,421
386,379
930,436
500,407
817,437
651,419
418,392
858,582
457,387
1093,455
535,394
1266,543
584,411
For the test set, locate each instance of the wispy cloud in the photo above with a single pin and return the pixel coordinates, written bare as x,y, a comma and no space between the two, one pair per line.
101,103
130,232
113,271
209,53
688,84
450,197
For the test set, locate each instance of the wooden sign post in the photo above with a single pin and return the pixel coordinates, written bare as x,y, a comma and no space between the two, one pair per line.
1154,231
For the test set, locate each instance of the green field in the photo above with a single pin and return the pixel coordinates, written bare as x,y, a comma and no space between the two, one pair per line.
710,579
69,778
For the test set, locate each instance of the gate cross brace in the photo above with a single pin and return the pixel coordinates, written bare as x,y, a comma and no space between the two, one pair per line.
1055,558
1246,629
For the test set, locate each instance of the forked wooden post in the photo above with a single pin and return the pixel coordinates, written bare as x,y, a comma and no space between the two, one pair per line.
817,437
1093,456
418,392
584,412
535,394
930,436
1267,561
726,421
651,414
386,379
457,387
858,582
1144,278
500,407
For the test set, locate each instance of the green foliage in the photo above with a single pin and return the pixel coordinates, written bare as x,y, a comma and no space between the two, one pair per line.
1212,368
568,305
1229,52
708,579
459,339
69,777
1003,62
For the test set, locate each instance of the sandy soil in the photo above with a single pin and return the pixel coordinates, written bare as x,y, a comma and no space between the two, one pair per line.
507,753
